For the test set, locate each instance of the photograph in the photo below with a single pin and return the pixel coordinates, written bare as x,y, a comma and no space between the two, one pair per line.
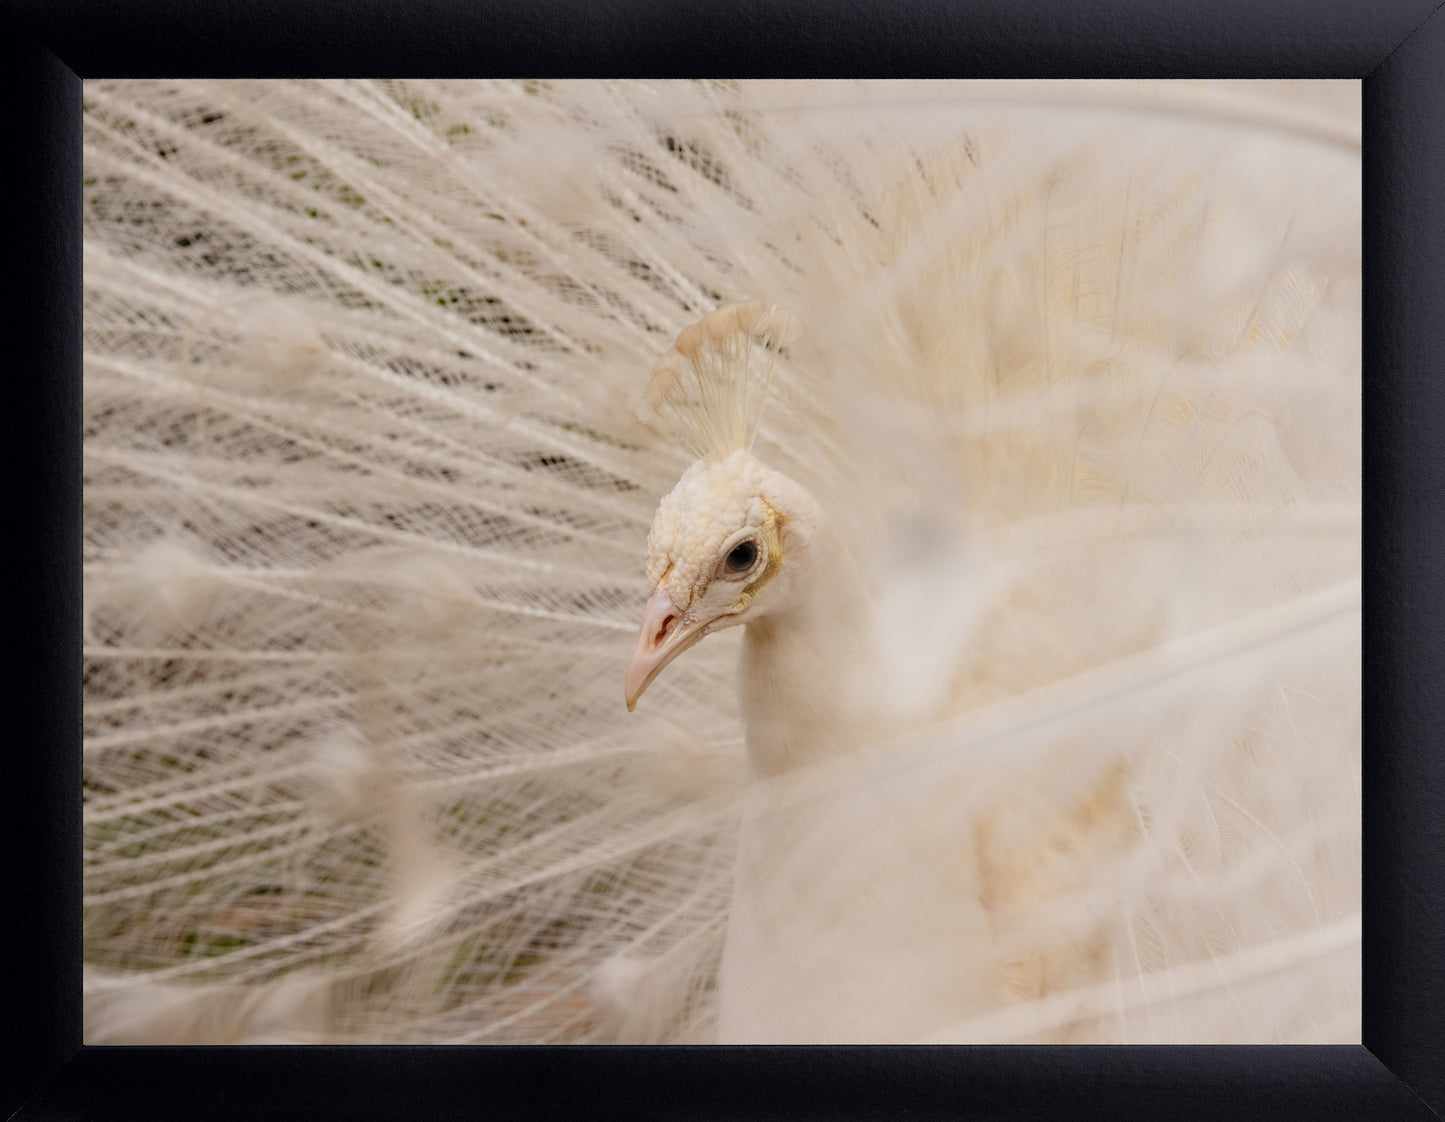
721,561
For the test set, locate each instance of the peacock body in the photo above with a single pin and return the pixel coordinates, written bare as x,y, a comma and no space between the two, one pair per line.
1062,382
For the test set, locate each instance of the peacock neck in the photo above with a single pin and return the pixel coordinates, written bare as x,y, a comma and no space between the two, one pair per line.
807,675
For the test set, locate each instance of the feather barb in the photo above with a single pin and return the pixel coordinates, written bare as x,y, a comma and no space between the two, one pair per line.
712,387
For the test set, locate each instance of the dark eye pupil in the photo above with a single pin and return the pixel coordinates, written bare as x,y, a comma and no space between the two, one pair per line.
742,557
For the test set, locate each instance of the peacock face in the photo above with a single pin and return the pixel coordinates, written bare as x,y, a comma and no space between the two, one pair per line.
714,554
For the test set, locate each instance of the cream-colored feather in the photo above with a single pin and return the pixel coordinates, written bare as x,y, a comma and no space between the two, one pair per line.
713,385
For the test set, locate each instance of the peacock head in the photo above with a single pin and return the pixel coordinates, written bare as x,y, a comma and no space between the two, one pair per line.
731,542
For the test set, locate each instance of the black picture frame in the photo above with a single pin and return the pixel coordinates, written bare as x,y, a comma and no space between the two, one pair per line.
1397,47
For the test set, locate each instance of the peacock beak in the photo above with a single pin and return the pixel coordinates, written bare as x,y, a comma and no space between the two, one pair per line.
663,636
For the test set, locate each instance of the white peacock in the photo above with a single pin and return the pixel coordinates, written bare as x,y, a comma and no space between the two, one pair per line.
1038,512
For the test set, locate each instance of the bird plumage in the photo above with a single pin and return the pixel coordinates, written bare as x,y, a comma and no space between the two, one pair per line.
1067,396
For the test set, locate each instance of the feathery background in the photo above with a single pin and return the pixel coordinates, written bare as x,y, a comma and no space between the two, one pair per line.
366,501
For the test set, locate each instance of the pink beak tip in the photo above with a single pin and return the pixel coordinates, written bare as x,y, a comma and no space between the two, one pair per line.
656,645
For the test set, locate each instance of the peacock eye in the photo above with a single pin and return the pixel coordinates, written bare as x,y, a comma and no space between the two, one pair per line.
741,559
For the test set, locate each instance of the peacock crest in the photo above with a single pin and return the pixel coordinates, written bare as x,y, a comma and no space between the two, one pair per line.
711,388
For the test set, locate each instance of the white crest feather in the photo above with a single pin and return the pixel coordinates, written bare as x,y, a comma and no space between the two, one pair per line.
711,388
